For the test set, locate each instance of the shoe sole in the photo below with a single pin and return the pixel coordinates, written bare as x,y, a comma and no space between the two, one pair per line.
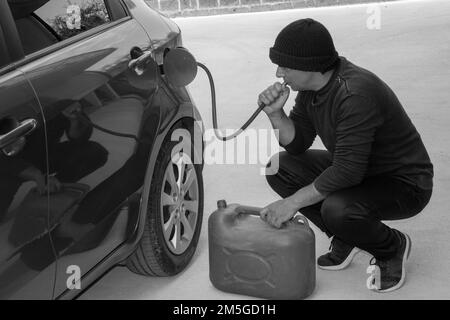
345,263
405,257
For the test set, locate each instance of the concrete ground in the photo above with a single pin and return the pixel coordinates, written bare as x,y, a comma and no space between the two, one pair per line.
410,51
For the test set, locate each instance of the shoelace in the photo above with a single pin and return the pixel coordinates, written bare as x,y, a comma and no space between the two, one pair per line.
336,249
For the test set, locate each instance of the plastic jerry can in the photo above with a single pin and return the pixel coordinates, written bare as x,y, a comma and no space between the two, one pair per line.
250,257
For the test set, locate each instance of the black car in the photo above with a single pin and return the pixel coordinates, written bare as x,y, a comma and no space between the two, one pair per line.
88,127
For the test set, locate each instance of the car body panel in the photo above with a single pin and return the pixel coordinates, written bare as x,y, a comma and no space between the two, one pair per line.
139,205
111,173
94,73
26,256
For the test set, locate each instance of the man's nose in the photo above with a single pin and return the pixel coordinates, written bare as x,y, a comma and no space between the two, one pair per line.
279,73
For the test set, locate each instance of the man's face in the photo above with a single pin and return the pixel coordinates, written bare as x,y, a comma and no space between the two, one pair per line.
296,79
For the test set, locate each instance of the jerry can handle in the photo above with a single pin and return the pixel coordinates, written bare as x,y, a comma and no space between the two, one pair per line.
222,204
255,211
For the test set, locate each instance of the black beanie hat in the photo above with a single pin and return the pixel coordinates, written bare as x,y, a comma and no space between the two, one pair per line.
304,45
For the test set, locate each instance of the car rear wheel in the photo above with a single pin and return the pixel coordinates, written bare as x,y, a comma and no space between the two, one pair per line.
174,215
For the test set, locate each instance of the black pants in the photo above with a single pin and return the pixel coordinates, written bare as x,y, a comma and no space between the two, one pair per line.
353,215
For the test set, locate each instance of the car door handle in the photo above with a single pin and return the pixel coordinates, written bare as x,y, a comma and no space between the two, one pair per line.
21,129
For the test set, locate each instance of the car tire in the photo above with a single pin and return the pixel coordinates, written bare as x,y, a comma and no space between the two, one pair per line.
170,237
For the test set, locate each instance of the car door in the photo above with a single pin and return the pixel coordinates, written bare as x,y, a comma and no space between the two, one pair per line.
94,106
27,268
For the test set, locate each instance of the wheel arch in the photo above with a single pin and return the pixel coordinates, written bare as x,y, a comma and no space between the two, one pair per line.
183,119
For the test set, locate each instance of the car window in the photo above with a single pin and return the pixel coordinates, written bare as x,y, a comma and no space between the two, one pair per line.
68,19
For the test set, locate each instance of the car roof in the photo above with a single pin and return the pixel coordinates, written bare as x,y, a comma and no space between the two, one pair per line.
23,8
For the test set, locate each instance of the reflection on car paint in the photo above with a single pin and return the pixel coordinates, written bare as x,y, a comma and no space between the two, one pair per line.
96,76
26,256
81,200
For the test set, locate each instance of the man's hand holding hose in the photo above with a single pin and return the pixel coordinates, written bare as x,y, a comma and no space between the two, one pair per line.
274,97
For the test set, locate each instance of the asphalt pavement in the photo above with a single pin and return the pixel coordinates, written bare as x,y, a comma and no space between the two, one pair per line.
407,44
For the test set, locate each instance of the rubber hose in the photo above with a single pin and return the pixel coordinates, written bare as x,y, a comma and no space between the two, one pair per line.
214,111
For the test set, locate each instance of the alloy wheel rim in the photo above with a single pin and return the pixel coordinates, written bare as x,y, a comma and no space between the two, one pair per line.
179,203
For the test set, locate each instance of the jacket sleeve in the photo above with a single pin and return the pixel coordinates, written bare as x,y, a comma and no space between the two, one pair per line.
305,132
356,126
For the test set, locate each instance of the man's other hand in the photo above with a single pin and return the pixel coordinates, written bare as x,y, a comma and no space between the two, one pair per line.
279,212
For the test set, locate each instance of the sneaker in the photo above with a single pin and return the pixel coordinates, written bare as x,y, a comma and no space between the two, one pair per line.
339,257
389,275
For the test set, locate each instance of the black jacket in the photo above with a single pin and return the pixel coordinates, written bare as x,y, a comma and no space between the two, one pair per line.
362,123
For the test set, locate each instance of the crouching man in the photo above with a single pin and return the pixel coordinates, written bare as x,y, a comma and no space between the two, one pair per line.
375,167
